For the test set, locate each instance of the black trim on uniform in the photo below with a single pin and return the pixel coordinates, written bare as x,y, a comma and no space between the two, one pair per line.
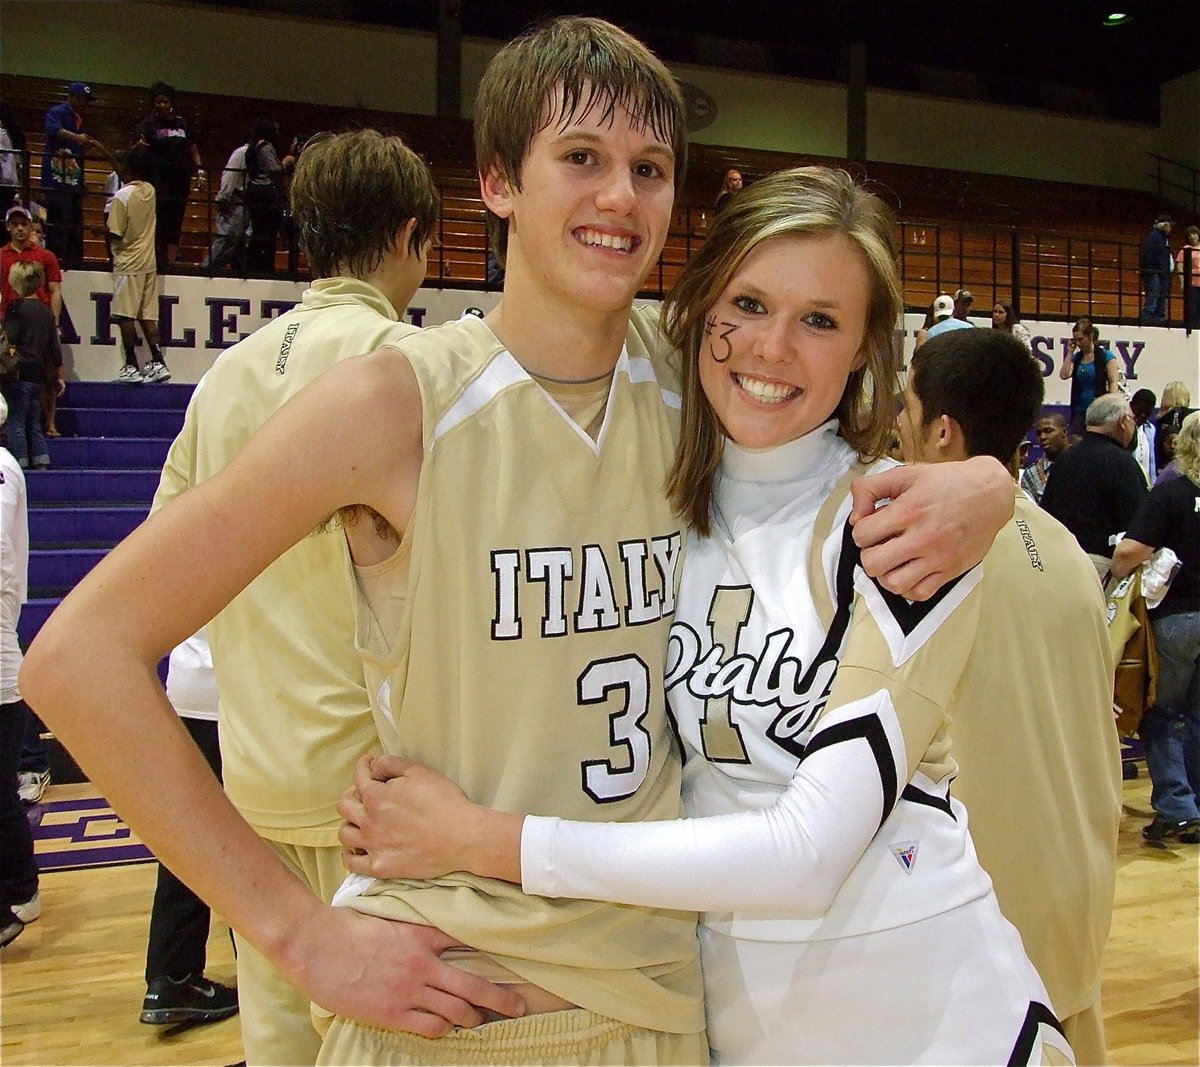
909,614
843,591
1037,1015
869,728
931,800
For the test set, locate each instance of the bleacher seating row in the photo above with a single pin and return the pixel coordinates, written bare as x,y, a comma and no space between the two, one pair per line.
1064,249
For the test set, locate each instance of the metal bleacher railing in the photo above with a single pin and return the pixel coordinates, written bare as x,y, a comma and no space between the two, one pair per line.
1044,273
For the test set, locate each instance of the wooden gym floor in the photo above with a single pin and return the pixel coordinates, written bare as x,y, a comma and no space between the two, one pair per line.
71,985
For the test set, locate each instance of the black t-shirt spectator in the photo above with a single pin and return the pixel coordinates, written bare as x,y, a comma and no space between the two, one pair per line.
170,147
1170,518
1094,489
33,333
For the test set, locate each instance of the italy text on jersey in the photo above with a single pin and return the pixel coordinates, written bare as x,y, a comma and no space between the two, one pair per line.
595,602
728,674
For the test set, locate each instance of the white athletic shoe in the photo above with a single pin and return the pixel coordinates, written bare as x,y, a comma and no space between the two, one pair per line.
30,910
156,371
31,785
129,375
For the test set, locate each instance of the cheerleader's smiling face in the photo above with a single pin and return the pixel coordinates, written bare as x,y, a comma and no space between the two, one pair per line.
784,337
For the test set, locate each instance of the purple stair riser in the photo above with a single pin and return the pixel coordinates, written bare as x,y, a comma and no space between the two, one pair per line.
112,453
119,422
98,486
111,395
93,524
61,568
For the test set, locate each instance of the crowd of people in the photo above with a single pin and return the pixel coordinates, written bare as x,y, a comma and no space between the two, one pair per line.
671,522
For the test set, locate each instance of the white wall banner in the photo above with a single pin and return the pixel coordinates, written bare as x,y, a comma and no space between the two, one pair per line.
201,317
1148,356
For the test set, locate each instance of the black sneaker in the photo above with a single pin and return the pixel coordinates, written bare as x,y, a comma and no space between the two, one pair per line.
195,999
1190,834
1161,830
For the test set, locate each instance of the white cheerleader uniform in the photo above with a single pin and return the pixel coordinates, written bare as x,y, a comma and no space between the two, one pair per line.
845,917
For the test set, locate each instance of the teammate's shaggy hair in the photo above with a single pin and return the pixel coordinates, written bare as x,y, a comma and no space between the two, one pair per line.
352,195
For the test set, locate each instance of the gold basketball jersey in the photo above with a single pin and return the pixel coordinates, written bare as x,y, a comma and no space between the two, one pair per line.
527,661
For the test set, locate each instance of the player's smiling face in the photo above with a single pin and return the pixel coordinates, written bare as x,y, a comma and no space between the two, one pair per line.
592,212
784,336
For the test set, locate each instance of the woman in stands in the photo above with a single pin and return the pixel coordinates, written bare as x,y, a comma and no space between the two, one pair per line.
1005,317
174,159
823,847
1091,370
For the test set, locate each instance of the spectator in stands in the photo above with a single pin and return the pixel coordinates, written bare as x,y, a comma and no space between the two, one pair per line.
1090,368
1096,486
1176,401
730,184
37,232
12,155
174,159
1170,730
1142,403
264,178
1054,440
21,248
944,318
1029,737
962,306
287,225
135,278
62,173
1004,317
1189,267
1154,264
20,901
176,953
1170,468
32,331
229,245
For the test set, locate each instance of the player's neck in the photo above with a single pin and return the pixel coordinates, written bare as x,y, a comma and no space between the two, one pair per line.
557,339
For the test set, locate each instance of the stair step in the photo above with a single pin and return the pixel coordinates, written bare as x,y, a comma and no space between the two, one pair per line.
63,527
98,486
112,452
128,421
56,571
168,395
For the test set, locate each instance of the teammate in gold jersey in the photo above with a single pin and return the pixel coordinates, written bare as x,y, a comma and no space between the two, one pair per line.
580,145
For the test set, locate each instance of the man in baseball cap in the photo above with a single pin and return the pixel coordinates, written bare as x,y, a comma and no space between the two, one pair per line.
62,172
21,249
945,314
962,304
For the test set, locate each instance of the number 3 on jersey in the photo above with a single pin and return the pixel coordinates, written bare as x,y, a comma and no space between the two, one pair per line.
602,780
